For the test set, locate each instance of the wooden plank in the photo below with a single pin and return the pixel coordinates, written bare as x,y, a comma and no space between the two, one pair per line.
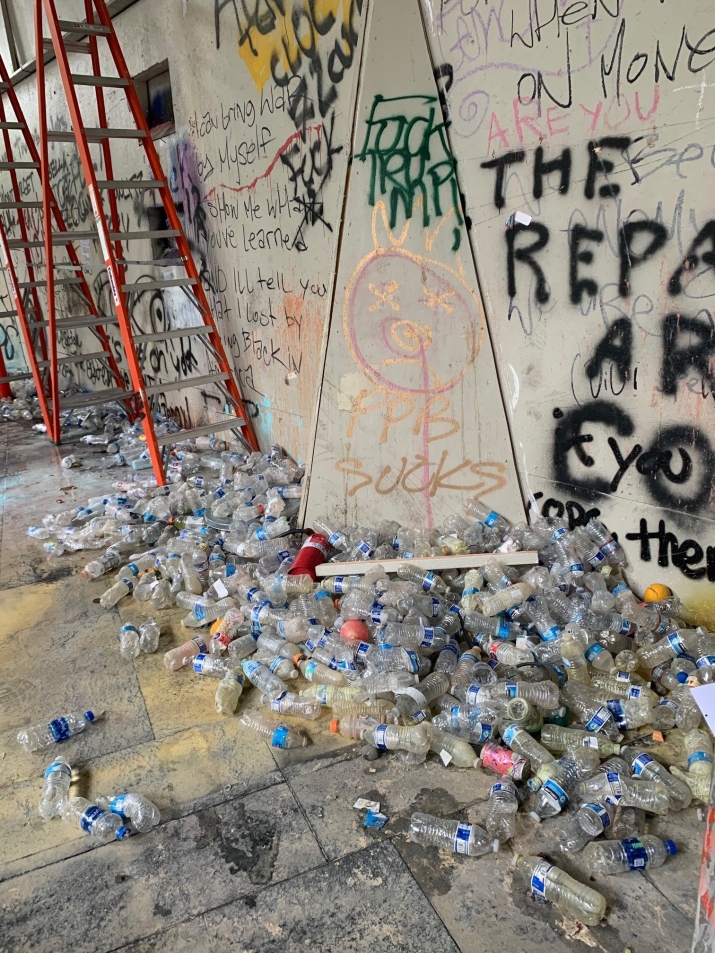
470,561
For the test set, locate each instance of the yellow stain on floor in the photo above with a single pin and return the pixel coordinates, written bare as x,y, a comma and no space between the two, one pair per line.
23,607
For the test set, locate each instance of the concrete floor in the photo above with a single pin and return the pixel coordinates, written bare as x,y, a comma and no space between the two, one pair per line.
259,850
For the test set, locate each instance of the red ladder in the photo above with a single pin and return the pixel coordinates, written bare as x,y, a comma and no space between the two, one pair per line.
98,25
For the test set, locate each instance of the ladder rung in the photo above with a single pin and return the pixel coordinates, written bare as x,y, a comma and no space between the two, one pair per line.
64,238
70,46
186,384
78,358
8,314
96,397
138,236
231,424
81,321
43,284
7,166
122,185
96,134
15,377
19,205
163,283
17,243
175,333
87,79
4,86
90,29
12,125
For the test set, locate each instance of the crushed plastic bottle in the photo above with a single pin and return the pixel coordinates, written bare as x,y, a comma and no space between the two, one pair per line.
132,807
59,729
277,734
548,882
456,836
93,819
55,789
632,853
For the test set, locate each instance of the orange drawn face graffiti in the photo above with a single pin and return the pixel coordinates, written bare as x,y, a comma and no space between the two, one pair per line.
413,326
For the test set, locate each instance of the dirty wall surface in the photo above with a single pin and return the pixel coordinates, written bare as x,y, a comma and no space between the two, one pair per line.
593,117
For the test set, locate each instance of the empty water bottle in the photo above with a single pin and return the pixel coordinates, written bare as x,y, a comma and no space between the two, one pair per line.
651,796
129,646
55,788
132,807
228,693
632,853
414,739
548,882
501,819
277,734
149,633
642,765
288,703
699,748
59,729
93,820
456,836
576,830
176,658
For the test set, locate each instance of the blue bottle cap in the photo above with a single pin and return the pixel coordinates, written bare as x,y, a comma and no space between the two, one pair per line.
89,716
123,832
670,847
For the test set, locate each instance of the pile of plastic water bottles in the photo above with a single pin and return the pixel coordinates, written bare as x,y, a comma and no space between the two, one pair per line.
554,679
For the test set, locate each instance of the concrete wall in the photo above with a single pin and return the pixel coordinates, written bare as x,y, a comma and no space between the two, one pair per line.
593,117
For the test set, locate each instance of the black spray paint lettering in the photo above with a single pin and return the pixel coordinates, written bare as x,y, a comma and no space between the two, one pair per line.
684,556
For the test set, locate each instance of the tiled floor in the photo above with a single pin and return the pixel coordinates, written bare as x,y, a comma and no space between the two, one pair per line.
259,851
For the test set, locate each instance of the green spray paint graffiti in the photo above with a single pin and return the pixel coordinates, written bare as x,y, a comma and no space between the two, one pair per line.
410,157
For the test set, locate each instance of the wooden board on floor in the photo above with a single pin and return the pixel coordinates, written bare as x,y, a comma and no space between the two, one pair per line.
434,563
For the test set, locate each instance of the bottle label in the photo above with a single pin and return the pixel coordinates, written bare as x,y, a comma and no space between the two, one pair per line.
414,660
437,609
618,711
592,651
128,628
601,813
338,584
550,634
276,663
251,593
418,716
538,879
428,637
609,547
626,627
428,583
670,703
597,558
279,736
260,534
699,756
623,677
90,818
461,838
116,805
555,793
199,612
379,737
598,720
511,689
361,652
199,663
59,728
576,567
705,661
505,786
640,763
334,538
589,741
60,768
503,629
677,644
376,616
310,668
471,695
558,533
487,731
636,853
250,667
616,786
365,548
636,691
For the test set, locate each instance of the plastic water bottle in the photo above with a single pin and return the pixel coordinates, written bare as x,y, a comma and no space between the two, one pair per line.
590,820
684,642
262,677
102,565
699,748
548,882
632,853
559,738
132,807
315,671
501,819
93,820
505,598
192,583
456,836
129,646
429,581
611,548
486,515
277,734
282,667
420,637
378,682
228,693
176,658
242,647
643,766
149,633
450,749
55,788
555,791
414,738
288,703
599,657
651,796
573,657
494,757
59,729
334,695
223,633
522,743
118,591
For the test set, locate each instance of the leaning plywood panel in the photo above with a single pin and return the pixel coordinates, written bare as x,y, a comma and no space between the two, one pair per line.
596,120
411,420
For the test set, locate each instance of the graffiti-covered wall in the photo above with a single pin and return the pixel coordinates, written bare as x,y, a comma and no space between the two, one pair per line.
478,234
263,98
594,120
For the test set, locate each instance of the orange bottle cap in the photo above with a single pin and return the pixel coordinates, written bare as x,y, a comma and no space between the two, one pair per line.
335,726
